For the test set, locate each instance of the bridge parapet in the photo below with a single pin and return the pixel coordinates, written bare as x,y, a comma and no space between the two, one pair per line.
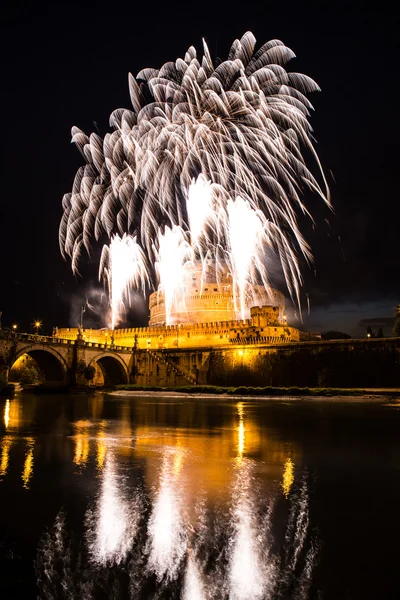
33,337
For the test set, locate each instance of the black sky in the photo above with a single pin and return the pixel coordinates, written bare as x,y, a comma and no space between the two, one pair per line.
66,64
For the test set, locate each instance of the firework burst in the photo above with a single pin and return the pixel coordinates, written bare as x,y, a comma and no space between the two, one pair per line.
202,141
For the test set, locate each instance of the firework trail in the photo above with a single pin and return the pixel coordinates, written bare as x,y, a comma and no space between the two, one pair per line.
122,266
200,140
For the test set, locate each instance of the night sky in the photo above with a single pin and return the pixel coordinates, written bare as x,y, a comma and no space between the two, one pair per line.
66,64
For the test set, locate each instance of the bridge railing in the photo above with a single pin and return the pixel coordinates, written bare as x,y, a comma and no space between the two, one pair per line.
110,347
33,337
49,339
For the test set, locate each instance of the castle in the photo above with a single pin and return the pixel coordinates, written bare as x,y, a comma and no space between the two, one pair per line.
203,315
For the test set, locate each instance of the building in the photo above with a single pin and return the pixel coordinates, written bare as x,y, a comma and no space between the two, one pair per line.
203,314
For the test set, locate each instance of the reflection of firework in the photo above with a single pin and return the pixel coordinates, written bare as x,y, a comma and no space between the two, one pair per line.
203,147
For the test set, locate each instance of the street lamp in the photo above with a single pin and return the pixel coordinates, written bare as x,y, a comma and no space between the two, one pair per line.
38,325
14,327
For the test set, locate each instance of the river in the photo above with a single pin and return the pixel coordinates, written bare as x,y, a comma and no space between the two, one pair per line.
198,498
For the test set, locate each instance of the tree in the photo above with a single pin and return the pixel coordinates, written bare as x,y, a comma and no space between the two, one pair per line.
380,333
28,375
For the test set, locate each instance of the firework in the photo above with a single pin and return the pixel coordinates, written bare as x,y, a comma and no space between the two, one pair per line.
204,142
123,267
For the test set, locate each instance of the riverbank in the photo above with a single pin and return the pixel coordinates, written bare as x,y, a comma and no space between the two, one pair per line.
264,392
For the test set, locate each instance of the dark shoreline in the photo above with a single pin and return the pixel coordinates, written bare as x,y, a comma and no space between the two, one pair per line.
268,391
208,390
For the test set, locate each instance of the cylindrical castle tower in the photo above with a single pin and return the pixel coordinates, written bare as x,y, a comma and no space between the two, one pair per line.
207,296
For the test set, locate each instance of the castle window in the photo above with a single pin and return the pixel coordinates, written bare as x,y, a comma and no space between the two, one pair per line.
206,289
215,289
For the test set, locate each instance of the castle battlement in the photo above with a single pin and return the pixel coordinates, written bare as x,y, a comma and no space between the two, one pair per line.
263,327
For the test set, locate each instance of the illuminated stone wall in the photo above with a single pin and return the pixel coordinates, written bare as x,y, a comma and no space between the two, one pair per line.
349,363
206,297
263,328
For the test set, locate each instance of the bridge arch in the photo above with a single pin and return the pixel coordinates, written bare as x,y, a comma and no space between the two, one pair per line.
52,366
113,369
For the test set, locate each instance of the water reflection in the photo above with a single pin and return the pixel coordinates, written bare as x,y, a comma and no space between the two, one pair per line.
112,524
7,414
27,470
240,429
166,528
5,447
171,506
288,477
251,572
193,585
101,446
222,555
82,442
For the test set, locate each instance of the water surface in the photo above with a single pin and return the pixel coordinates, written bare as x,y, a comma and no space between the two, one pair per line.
191,498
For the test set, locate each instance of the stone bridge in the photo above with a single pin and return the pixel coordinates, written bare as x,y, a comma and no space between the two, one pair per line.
62,362
342,363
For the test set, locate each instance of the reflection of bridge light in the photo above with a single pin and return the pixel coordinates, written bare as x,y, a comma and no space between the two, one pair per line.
13,413
6,444
81,450
28,463
101,448
7,414
178,460
166,532
288,477
240,411
82,443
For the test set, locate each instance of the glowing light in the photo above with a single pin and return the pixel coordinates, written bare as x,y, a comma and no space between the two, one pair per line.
240,429
123,266
288,477
193,587
202,147
244,229
199,207
27,470
6,444
82,443
7,414
101,450
172,256
13,414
